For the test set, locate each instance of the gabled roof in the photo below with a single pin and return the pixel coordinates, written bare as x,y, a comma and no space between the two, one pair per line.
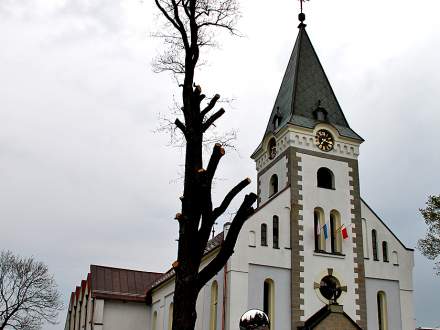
120,284
385,225
304,89
323,313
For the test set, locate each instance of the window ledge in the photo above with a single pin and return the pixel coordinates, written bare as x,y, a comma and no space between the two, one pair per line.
252,246
397,265
326,188
328,254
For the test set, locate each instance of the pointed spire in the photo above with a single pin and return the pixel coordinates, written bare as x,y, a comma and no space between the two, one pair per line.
306,97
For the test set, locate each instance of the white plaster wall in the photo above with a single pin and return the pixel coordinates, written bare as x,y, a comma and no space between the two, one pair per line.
392,294
125,315
238,298
265,255
280,169
89,313
241,266
401,272
281,279
316,265
387,270
98,315
407,308
204,304
163,297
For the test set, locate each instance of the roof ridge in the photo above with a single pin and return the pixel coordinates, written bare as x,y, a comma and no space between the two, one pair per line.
125,269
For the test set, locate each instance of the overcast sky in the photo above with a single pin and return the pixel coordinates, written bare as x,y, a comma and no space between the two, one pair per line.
85,180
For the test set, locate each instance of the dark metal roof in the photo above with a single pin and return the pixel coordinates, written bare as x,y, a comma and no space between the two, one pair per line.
120,284
304,88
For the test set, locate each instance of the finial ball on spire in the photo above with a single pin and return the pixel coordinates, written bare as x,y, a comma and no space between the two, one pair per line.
302,17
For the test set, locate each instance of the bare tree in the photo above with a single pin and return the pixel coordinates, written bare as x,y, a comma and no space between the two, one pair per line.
28,293
190,25
430,245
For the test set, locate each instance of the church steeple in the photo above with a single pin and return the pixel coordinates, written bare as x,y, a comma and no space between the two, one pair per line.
306,97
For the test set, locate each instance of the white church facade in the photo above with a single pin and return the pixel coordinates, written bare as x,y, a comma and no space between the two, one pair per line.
313,256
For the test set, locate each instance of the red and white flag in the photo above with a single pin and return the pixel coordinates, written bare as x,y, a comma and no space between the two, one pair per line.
344,232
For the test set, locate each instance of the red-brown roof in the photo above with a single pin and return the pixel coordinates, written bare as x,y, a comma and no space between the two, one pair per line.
120,284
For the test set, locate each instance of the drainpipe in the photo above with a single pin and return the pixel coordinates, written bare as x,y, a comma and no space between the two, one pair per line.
225,278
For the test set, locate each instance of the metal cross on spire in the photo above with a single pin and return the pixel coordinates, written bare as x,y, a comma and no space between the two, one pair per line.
301,2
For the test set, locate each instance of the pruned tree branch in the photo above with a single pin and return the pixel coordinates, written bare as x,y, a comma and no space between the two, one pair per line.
217,153
180,125
227,248
229,197
211,120
210,105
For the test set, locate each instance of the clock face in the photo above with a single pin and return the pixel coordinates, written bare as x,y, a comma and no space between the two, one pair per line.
324,140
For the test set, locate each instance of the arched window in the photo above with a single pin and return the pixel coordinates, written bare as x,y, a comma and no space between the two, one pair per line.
170,317
374,244
318,223
365,239
252,241
154,321
269,301
382,313
272,148
273,189
325,178
276,232
385,251
214,303
263,234
335,232
395,258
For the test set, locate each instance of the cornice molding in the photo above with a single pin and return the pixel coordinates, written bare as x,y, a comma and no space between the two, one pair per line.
306,141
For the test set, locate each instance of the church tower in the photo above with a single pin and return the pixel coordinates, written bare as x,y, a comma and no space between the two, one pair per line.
310,149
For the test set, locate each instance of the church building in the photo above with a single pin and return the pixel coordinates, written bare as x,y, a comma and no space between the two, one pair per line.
313,256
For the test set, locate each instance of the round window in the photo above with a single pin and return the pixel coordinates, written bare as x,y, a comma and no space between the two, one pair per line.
330,288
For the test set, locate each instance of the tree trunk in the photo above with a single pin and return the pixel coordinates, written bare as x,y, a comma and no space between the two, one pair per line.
185,298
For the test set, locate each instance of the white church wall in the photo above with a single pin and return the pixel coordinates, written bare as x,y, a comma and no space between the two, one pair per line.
162,297
399,267
281,279
402,271
316,264
246,253
407,308
125,315
392,294
237,293
204,304
280,169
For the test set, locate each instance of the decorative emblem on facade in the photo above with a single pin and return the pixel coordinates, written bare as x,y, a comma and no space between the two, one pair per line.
330,287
